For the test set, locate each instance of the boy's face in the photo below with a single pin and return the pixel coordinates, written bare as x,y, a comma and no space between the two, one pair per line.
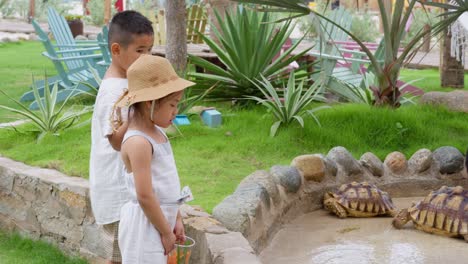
141,44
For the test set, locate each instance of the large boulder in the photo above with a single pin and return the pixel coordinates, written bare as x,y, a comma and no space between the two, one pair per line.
449,159
372,163
342,157
456,100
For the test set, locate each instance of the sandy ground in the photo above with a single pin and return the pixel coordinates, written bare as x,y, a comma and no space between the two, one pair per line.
320,238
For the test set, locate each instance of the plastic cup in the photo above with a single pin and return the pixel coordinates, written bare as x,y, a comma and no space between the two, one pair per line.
181,253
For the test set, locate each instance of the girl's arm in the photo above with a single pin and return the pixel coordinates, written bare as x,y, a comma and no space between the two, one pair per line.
139,152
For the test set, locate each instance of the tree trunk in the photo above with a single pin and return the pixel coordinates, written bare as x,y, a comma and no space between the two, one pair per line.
32,6
107,11
176,32
451,70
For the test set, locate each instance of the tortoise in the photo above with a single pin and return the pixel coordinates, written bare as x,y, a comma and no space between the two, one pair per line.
443,212
359,200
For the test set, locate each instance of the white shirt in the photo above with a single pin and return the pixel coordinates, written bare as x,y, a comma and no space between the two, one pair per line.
107,184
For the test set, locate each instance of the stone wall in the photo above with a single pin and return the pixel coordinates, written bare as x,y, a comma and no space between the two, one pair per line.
46,204
265,200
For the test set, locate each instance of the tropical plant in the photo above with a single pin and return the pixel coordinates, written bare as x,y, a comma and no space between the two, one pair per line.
51,117
246,44
386,92
293,105
365,95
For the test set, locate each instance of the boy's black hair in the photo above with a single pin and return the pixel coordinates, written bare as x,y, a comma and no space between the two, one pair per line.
126,24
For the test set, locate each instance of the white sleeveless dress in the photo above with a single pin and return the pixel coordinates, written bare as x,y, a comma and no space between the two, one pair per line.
139,240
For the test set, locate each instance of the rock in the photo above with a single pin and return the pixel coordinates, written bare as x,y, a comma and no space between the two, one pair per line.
420,161
449,159
33,37
237,210
188,211
312,167
341,156
396,162
221,244
264,179
330,166
373,163
92,37
237,255
287,176
455,100
81,38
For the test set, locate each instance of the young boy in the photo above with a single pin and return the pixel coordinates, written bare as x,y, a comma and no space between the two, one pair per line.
130,35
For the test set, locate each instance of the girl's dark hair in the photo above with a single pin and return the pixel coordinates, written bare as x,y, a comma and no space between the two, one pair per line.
125,25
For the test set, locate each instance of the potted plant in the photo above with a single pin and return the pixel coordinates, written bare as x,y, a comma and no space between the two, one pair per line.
75,23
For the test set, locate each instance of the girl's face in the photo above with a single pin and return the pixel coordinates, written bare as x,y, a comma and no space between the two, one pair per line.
166,110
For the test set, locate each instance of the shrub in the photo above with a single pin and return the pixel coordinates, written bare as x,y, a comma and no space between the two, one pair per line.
248,42
293,106
51,117
96,10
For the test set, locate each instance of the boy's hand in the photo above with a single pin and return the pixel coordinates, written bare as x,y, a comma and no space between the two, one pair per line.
179,230
168,240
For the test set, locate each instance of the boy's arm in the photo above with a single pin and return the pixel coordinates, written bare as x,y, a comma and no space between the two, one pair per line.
115,139
140,153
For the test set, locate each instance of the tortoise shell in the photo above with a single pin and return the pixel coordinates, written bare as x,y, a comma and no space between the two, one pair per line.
445,209
364,199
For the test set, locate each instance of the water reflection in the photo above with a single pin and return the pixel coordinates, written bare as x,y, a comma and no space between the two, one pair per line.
349,252
365,253
405,253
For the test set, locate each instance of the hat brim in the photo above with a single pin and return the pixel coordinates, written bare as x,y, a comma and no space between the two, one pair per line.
154,92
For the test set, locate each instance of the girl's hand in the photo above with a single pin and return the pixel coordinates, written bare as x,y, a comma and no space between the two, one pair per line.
168,242
179,230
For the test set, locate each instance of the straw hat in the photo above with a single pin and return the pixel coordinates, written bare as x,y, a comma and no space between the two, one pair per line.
150,78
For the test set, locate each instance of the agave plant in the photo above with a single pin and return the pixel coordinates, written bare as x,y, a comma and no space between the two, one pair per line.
386,92
51,117
247,43
293,105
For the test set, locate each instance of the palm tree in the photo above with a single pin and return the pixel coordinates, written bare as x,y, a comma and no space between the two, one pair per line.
386,91
176,23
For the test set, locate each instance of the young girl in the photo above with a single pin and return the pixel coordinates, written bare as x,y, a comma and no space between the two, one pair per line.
150,222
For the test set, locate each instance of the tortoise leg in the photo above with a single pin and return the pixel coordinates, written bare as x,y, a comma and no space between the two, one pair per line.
333,206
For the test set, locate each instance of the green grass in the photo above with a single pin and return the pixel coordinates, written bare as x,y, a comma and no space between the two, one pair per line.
18,63
430,79
213,161
18,250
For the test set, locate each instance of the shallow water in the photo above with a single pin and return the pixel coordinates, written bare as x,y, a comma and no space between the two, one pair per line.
320,237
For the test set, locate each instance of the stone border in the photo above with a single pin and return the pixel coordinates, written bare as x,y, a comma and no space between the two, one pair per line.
265,200
46,204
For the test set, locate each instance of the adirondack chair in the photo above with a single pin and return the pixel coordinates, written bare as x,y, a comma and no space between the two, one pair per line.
102,38
64,38
71,79
338,65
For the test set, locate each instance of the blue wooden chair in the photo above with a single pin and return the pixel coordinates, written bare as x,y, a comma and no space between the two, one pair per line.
64,38
338,66
72,76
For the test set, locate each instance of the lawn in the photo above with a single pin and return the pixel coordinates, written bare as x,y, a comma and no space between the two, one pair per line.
18,250
19,62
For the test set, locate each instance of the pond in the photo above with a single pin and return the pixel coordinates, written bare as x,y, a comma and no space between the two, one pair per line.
320,237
